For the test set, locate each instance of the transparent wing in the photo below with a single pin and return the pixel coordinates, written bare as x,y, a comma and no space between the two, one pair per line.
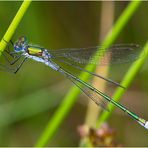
94,96
120,53
77,66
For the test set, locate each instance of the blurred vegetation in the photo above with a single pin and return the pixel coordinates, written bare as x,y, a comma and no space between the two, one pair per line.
29,98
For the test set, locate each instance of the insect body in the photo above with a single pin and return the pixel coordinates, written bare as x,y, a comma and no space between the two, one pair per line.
117,54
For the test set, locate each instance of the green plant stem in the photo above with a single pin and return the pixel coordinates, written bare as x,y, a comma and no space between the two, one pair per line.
11,29
72,95
129,77
122,21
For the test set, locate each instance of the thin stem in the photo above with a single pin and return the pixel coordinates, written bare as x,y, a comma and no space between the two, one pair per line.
93,111
15,22
72,95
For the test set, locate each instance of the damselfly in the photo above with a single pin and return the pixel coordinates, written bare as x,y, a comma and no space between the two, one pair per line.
72,57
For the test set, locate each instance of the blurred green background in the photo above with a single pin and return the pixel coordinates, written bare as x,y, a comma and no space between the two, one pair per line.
29,98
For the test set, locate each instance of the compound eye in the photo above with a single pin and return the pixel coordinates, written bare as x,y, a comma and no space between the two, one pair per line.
20,44
22,39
